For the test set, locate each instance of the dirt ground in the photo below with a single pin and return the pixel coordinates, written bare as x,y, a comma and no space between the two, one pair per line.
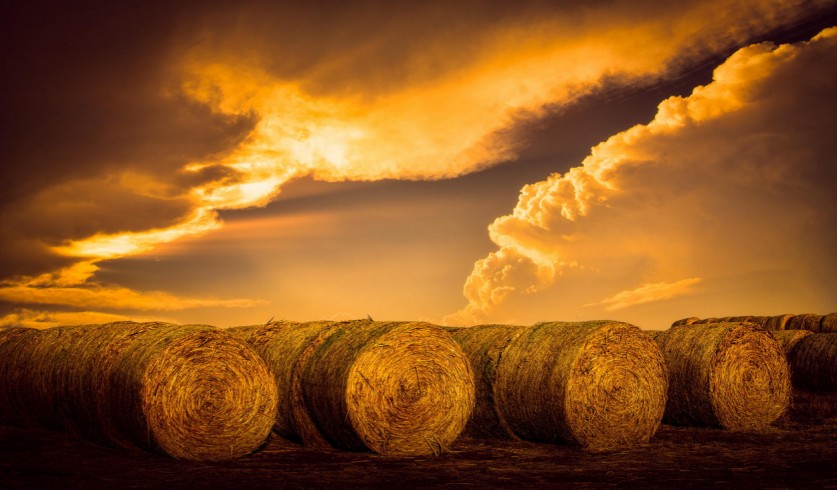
800,451
794,454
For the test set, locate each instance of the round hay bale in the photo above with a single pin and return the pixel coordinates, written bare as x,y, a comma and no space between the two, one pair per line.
281,344
484,346
305,429
778,322
685,321
191,391
730,375
392,388
829,323
814,362
807,321
599,384
789,338
15,343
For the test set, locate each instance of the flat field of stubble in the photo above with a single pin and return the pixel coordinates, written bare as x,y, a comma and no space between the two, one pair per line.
798,452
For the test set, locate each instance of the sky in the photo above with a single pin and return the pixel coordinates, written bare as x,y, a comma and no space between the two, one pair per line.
461,163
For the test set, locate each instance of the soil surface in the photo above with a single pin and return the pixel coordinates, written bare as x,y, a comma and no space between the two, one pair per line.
793,454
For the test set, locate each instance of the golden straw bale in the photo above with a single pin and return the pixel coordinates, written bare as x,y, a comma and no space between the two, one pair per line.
281,344
829,323
807,321
15,344
192,392
601,384
305,429
731,375
778,322
484,346
685,321
398,388
814,362
789,338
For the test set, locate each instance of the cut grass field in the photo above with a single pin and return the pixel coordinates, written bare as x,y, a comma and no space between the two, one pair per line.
795,453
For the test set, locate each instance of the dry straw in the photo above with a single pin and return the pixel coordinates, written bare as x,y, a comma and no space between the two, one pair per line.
829,323
732,375
15,343
601,385
484,346
778,322
789,338
191,392
686,321
814,362
808,321
282,345
393,388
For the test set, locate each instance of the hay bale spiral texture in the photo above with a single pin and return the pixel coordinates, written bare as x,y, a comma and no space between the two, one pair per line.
600,384
484,346
730,375
397,388
813,362
191,392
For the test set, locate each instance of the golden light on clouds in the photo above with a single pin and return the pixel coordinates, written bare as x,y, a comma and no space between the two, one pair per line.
448,102
703,188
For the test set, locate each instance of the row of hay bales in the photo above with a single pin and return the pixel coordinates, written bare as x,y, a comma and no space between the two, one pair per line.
808,321
393,388
389,387
189,391
809,341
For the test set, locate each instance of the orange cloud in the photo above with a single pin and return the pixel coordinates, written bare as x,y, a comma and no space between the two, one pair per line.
425,123
721,184
648,293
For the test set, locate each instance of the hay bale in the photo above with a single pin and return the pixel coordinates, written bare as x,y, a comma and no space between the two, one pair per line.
685,321
813,362
778,322
484,346
191,392
599,384
15,342
392,388
305,428
829,323
807,321
730,375
281,345
789,338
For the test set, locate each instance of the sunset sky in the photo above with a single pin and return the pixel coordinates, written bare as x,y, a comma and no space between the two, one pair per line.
455,162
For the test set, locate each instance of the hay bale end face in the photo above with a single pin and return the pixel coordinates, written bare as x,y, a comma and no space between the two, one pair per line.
484,346
15,344
814,362
193,392
392,388
731,375
601,385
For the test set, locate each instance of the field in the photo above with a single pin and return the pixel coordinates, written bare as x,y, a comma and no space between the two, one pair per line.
795,453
